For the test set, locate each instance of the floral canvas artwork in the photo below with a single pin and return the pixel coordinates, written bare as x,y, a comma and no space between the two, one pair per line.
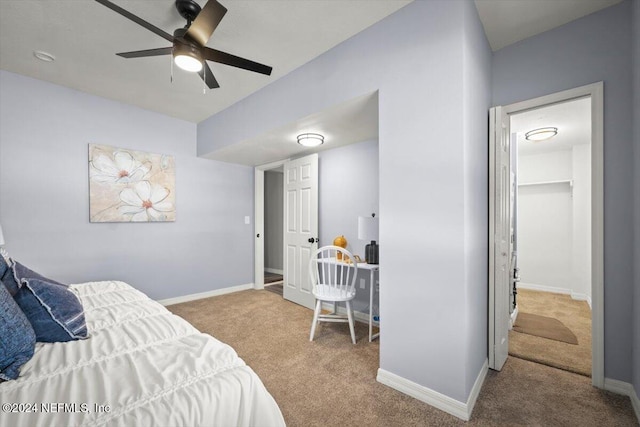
130,186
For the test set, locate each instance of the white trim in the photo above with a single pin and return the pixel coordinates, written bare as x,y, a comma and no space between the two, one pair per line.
596,92
625,389
434,398
543,288
581,297
207,294
273,270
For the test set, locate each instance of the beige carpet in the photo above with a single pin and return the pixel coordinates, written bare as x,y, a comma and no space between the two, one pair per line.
576,315
333,382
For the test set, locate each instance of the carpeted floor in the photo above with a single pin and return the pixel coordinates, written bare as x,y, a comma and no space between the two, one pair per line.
332,382
575,315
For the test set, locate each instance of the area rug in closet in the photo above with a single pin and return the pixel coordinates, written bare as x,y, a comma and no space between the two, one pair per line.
545,327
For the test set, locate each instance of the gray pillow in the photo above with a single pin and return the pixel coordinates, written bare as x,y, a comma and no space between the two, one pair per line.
18,338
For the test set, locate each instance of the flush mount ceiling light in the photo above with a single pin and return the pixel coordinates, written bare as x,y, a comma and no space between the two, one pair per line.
541,134
44,56
310,139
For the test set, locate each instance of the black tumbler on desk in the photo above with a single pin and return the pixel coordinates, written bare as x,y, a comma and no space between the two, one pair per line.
371,253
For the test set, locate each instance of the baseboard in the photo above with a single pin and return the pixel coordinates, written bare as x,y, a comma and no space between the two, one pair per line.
553,290
581,297
357,315
214,293
274,270
625,389
431,397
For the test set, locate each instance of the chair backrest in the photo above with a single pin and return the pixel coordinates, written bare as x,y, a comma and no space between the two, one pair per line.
334,268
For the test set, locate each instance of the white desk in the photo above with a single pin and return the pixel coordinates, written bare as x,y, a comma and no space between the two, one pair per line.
372,269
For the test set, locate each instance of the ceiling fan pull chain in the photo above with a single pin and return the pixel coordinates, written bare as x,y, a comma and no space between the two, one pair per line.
204,81
171,68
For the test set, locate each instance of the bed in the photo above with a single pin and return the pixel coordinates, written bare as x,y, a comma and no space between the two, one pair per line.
141,366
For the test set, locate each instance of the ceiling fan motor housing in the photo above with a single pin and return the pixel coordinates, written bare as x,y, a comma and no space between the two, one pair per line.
188,9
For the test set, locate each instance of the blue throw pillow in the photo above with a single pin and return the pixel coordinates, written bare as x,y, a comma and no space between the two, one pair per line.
21,272
55,312
18,338
6,275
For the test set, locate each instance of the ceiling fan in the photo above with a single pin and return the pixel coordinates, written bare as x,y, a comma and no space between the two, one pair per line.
189,50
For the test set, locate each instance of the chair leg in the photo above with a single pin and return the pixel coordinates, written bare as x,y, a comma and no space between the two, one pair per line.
350,315
316,313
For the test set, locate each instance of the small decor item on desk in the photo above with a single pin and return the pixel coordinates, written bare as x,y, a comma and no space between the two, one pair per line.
341,242
371,252
368,231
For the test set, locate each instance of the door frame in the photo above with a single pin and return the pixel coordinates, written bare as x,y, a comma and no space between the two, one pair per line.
258,215
596,92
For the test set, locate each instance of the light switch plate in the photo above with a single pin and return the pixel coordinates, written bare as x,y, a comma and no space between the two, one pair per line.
247,219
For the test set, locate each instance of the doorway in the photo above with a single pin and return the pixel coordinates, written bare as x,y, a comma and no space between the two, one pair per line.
273,229
551,235
552,201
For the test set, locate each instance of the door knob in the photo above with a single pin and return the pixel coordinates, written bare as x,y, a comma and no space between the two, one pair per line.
313,240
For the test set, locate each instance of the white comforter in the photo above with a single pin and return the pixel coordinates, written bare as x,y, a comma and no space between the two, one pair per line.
141,366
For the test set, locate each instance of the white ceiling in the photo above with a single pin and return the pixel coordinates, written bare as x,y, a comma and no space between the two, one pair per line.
84,36
509,21
572,118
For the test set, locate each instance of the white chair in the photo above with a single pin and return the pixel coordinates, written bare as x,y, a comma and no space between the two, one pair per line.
333,280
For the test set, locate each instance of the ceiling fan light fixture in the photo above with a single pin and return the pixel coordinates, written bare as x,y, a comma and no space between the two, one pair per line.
541,134
310,139
187,57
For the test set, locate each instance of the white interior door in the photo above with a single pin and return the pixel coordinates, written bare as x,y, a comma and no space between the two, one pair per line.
499,236
300,227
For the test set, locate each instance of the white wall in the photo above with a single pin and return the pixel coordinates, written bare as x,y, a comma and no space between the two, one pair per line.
45,130
545,220
581,167
554,220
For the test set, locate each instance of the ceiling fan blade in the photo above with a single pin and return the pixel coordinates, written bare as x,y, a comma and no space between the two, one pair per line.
207,76
148,52
137,20
235,61
206,22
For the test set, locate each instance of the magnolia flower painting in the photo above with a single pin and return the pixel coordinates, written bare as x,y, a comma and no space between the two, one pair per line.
130,186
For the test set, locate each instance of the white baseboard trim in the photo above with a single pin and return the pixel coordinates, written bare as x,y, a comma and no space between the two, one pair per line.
273,270
434,398
553,290
581,297
625,389
200,295
357,315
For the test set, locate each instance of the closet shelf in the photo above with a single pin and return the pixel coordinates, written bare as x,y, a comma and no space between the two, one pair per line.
562,181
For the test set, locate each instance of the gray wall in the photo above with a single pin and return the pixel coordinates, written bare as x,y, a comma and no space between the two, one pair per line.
347,189
596,47
477,100
44,135
636,191
418,60
273,219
